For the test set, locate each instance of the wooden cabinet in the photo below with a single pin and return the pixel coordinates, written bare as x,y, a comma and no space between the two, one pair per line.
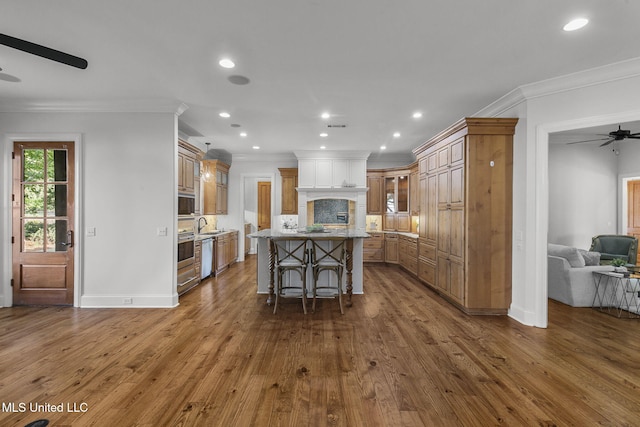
414,191
215,187
226,251
373,250
391,248
197,257
375,200
289,192
247,240
408,253
188,165
465,176
396,201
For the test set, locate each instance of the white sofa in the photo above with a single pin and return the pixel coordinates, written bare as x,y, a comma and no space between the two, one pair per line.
570,278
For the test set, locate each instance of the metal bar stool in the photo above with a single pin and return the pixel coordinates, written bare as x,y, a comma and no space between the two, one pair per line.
290,255
329,258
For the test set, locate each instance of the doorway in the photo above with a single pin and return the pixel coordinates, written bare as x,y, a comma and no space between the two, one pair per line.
43,206
633,208
264,205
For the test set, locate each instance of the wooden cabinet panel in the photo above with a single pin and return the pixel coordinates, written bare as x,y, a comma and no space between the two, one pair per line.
373,248
403,222
226,251
431,206
414,195
391,248
187,159
289,192
375,203
427,271
456,185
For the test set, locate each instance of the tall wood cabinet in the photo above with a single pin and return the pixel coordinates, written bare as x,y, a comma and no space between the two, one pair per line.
215,187
465,193
375,196
289,192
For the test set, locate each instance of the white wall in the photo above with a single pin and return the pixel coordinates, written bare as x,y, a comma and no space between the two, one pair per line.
128,182
590,98
582,193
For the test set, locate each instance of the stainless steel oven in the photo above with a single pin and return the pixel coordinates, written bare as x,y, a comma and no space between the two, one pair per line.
186,260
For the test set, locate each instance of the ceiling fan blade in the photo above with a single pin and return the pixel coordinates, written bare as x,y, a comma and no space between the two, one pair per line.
608,142
45,52
634,136
588,140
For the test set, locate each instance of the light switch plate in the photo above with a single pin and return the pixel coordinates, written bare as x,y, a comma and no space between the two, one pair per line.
162,231
91,231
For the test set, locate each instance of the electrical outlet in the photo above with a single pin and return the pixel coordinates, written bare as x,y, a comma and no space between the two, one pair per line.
162,231
128,301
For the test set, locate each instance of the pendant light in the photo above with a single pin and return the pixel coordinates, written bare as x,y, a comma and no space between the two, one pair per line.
205,173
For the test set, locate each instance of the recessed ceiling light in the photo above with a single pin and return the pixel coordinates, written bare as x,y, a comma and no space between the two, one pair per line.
226,63
324,135
383,147
417,115
225,115
396,134
322,147
576,24
255,147
325,115
243,134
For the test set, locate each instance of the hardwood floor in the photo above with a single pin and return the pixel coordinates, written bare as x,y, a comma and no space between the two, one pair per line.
401,356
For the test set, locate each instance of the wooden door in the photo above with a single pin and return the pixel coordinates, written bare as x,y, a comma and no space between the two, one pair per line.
43,223
264,205
633,208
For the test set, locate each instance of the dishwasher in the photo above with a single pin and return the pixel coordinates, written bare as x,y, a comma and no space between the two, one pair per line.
207,258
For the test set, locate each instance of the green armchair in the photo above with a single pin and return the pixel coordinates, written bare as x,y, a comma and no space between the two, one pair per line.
613,246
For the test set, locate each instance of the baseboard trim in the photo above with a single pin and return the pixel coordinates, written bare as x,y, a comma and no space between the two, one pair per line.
136,301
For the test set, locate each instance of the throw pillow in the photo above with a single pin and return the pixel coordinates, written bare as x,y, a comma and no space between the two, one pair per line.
569,253
590,258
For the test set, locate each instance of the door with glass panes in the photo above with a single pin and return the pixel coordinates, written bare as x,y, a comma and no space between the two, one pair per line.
43,207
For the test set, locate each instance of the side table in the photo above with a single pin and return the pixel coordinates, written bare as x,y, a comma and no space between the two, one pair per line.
617,293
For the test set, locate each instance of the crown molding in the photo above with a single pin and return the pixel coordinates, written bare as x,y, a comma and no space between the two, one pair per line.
89,106
332,154
594,76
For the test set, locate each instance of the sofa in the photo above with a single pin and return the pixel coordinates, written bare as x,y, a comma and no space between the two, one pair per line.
570,274
612,246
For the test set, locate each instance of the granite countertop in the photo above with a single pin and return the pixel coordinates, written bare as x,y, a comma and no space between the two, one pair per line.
403,233
204,236
327,234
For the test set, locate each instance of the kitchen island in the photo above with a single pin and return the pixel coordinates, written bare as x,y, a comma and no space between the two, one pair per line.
266,256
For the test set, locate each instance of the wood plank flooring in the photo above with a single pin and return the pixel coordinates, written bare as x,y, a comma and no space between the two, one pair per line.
401,356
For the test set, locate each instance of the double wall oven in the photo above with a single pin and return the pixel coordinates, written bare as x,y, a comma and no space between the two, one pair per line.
186,254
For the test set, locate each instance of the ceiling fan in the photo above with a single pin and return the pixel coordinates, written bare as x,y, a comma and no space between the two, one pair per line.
616,135
43,51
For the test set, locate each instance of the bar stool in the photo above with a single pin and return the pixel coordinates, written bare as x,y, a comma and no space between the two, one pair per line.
290,255
330,258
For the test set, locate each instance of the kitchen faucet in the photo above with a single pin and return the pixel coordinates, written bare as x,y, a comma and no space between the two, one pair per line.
205,223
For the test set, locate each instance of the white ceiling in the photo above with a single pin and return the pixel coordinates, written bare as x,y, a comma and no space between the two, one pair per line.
371,63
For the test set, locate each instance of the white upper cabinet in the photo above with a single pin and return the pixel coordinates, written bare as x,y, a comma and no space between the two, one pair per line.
332,169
